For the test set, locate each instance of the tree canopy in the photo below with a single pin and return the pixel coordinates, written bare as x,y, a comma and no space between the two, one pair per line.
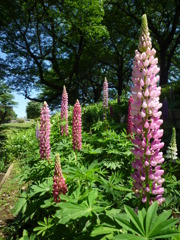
33,109
77,43
6,103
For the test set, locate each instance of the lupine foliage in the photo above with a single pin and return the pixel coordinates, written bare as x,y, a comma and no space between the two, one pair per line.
98,180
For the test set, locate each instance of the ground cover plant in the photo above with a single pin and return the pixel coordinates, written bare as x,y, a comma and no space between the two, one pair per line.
10,130
86,178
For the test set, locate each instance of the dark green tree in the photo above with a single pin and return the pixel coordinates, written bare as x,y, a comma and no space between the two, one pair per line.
164,24
44,42
33,109
6,104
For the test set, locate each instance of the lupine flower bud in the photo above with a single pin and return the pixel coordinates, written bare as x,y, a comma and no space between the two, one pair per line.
76,131
146,122
172,148
37,131
64,112
144,40
129,120
105,94
44,144
59,184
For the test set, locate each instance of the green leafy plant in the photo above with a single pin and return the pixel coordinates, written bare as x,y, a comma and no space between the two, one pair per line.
146,225
43,226
27,237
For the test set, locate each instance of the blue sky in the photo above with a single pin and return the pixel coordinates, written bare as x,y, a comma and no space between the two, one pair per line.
20,109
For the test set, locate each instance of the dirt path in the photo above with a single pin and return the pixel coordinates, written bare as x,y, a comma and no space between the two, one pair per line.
8,196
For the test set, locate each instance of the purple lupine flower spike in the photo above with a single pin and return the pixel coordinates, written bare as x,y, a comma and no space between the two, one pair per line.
64,112
105,94
59,184
44,144
77,138
146,122
129,120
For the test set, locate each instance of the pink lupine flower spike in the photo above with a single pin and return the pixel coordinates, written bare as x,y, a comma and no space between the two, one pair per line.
59,184
64,112
146,122
44,144
105,94
77,138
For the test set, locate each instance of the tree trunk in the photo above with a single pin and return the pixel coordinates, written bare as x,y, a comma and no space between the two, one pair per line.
163,66
120,81
97,94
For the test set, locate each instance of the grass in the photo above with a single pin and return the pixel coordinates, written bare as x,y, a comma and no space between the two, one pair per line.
12,127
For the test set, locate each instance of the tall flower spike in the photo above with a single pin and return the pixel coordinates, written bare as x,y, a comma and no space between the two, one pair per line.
64,112
44,144
146,122
77,138
59,184
105,94
129,120
172,148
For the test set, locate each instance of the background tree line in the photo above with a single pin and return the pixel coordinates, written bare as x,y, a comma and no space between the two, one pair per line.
77,43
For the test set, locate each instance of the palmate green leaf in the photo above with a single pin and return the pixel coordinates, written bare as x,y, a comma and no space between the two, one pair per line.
48,203
95,151
165,234
127,236
151,214
114,151
103,230
177,237
42,188
77,193
108,236
122,189
43,226
68,199
160,222
163,226
73,211
20,204
125,224
141,216
92,197
133,217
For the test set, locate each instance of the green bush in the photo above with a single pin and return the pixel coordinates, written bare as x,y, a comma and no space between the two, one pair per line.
20,120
